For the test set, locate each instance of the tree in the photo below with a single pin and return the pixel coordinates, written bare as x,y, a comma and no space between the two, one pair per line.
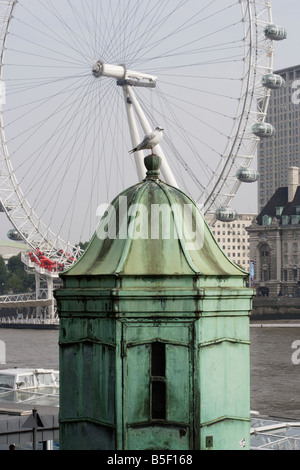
3,276
15,284
83,245
13,277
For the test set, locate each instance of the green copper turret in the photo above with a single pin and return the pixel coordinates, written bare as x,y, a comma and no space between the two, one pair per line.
154,331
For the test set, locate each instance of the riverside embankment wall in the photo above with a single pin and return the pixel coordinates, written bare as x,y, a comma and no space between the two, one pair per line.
272,308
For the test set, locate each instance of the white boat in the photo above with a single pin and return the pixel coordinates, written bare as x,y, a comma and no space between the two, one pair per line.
35,386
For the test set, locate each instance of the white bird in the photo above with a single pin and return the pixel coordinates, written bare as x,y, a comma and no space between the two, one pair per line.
150,140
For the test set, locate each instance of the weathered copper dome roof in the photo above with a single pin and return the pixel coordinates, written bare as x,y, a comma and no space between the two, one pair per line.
153,228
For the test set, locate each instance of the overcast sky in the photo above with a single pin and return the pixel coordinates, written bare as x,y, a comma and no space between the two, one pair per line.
287,13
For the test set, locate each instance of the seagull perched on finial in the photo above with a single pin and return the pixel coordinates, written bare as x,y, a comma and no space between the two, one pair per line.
150,140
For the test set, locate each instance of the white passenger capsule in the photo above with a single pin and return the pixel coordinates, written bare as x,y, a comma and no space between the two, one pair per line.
247,175
2,208
226,214
14,235
274,32
263,129
273,81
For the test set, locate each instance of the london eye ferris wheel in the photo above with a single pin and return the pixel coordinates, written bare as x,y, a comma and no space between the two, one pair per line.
84,81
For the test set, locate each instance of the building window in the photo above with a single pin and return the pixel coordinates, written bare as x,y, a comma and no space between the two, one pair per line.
285,219
266,220
295,219
158,380
265,262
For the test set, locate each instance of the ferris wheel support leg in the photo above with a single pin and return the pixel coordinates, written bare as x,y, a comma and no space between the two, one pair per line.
44,288
51,310
37,292
135,138
165,168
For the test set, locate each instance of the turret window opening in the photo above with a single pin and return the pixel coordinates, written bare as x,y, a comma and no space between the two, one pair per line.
158,380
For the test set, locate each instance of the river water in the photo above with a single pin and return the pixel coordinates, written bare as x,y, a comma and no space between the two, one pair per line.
275,374
274,378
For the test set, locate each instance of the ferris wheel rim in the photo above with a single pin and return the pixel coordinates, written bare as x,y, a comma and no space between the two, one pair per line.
233,158
49,238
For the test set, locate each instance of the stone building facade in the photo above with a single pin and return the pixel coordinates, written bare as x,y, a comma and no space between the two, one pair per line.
274,238
233,238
